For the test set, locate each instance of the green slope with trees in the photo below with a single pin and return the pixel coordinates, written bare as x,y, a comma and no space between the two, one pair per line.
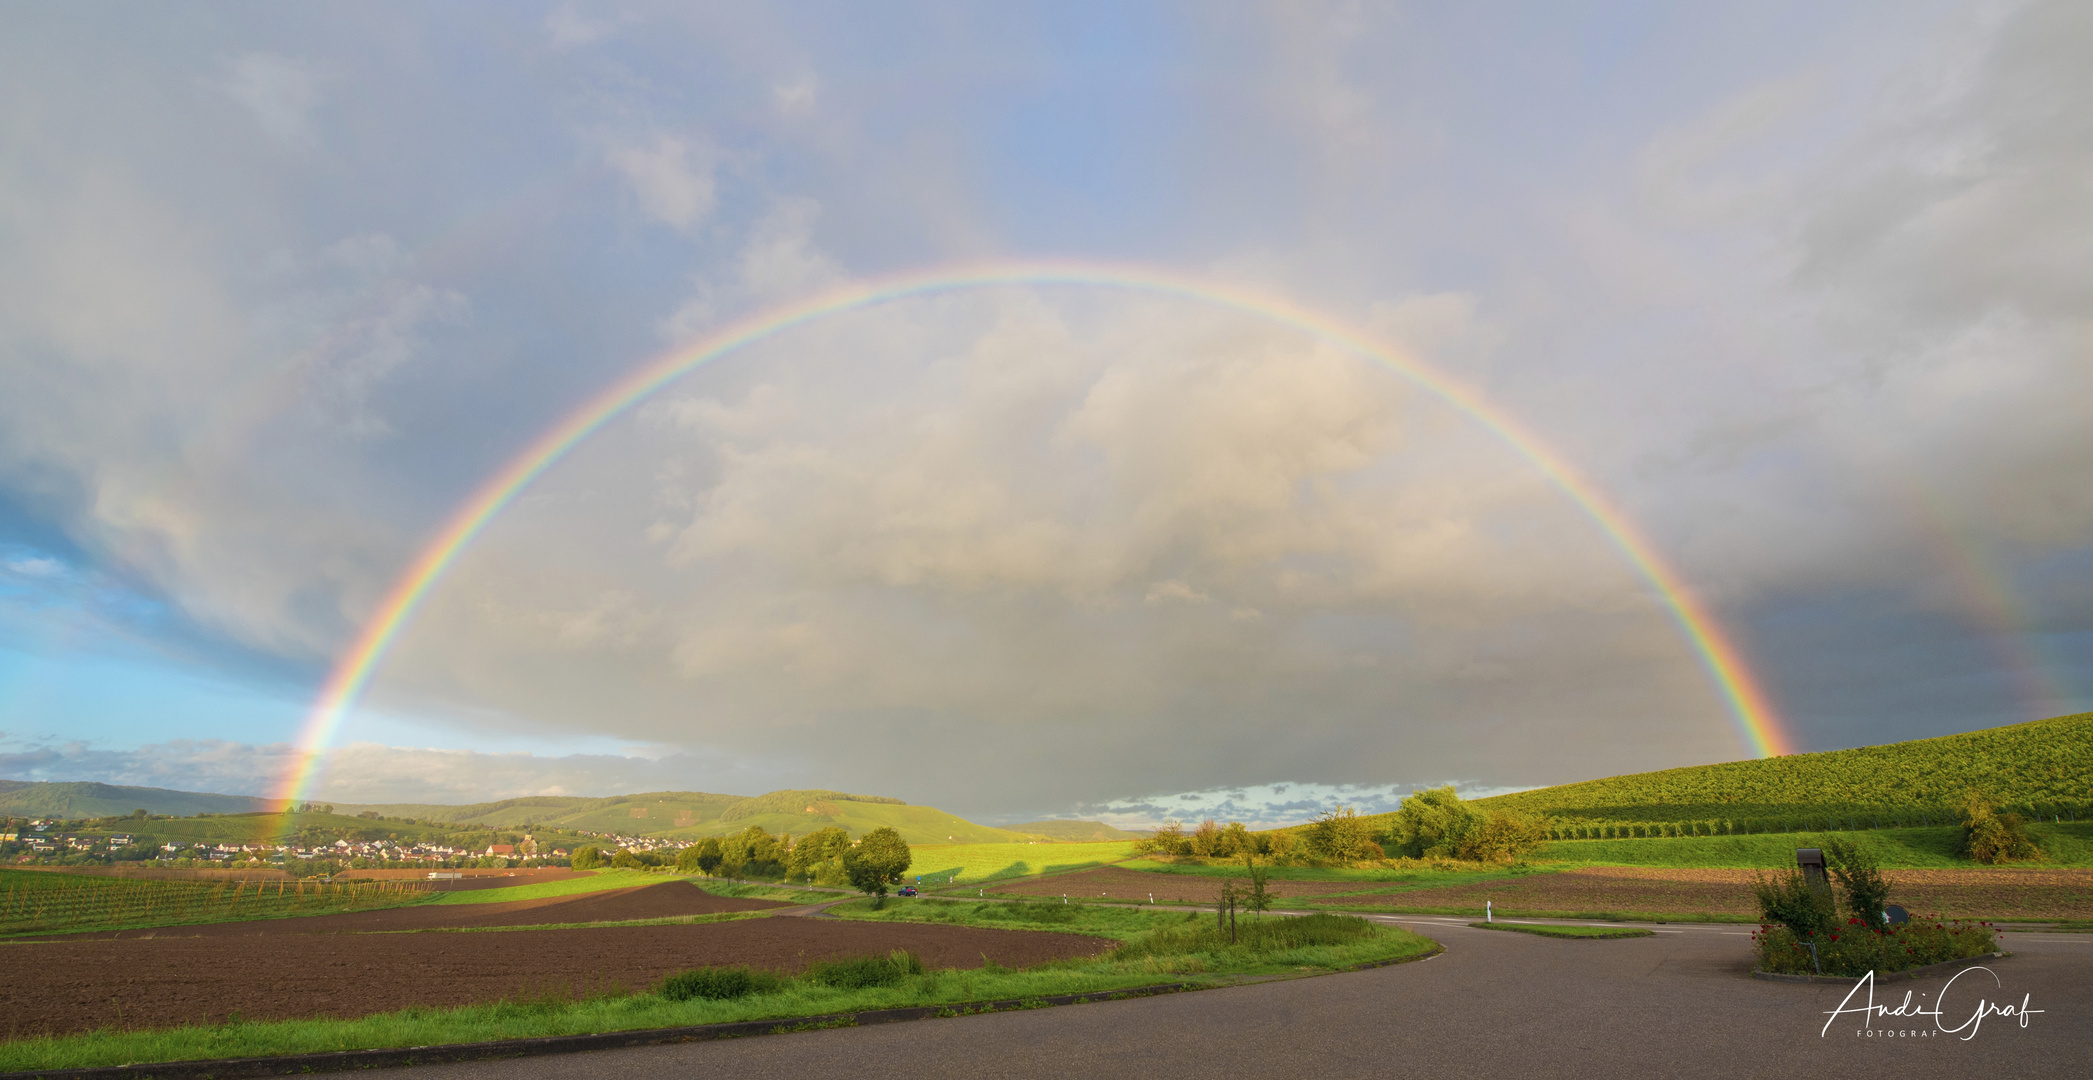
75,800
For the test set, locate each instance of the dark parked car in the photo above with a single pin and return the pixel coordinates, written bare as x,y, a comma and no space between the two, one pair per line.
908,890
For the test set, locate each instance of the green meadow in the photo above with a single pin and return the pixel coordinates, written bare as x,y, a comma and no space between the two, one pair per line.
976,864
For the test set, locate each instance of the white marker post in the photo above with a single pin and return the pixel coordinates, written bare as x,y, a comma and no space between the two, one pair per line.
1487,916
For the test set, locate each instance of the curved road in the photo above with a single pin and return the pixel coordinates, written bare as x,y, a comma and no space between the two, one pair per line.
1494,1005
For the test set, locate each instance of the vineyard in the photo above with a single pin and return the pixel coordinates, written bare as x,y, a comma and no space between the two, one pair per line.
33,902
2041,770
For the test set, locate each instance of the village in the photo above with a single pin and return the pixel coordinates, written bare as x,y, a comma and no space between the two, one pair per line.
61,842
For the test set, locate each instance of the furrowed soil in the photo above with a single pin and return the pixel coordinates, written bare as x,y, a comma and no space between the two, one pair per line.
1986,893
59,987
668,900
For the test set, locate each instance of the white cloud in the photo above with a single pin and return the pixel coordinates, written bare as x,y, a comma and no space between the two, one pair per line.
281,93
672,178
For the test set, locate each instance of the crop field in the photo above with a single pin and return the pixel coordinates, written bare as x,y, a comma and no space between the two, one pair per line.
2068,844
34,902
973,864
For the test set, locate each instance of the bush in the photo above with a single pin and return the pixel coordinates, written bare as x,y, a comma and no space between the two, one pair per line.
1989,836
860,972
1431,824
1340,836
1787,900
1502,836
587,858
1860,879
718,983
1854,948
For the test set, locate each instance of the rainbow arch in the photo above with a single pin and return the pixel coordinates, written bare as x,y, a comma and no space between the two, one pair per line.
1758,725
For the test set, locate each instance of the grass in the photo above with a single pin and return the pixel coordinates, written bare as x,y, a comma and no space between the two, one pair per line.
2064,845
1163,947
41,902
595,881
1549,930
974,864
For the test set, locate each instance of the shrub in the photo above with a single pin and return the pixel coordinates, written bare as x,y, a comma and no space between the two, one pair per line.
718,983
624,860
1340,836
1168,840
1989,836
1854,948
1431,824
587,858
860,972
1502,836
1787,900
1860,878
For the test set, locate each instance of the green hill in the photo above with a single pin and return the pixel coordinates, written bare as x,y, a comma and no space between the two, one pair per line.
1074,832
2044,767
694,814
75,800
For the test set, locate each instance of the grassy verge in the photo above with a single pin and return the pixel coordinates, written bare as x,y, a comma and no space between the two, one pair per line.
742,890
1546,930
1159,947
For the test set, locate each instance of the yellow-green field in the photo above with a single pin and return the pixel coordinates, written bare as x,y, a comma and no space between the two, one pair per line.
975,863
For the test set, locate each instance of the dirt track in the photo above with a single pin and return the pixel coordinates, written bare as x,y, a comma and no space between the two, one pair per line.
75,985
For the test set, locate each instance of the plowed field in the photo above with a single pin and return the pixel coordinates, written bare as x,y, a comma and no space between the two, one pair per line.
71,986
668,900
1968,894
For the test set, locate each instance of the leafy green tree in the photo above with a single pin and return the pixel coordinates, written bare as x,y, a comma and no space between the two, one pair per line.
1168,840
1431,824
1340,836
876,862
709,856
587,858
818,854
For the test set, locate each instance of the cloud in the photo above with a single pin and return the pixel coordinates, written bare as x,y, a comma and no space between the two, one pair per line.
671,178
280,92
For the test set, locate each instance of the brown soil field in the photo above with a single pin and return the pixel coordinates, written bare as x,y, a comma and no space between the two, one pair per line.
1975,893
1136,885
668,900
473,879
70,986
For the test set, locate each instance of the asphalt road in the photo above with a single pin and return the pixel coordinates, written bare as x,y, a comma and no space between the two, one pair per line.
1494,1005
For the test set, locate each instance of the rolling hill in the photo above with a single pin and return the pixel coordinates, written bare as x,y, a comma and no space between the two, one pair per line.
2041,767
83,799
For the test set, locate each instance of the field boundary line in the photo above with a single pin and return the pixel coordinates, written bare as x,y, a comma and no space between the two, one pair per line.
342,1060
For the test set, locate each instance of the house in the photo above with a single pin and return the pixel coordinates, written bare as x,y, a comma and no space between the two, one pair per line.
504,850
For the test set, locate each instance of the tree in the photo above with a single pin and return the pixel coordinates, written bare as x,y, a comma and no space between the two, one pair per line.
1431,824
819,854
708,857
587,858
876,862
1168,840
625,860
1258,899
1502,836
1341,836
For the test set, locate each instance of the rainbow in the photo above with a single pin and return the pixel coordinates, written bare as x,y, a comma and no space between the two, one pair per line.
1757,723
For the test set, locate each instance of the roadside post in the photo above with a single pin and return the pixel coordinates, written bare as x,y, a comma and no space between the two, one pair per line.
1488,915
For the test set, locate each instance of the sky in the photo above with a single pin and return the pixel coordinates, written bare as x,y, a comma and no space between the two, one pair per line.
1805,290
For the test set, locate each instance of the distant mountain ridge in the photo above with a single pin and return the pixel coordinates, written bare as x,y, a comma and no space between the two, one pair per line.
678,814
86,799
